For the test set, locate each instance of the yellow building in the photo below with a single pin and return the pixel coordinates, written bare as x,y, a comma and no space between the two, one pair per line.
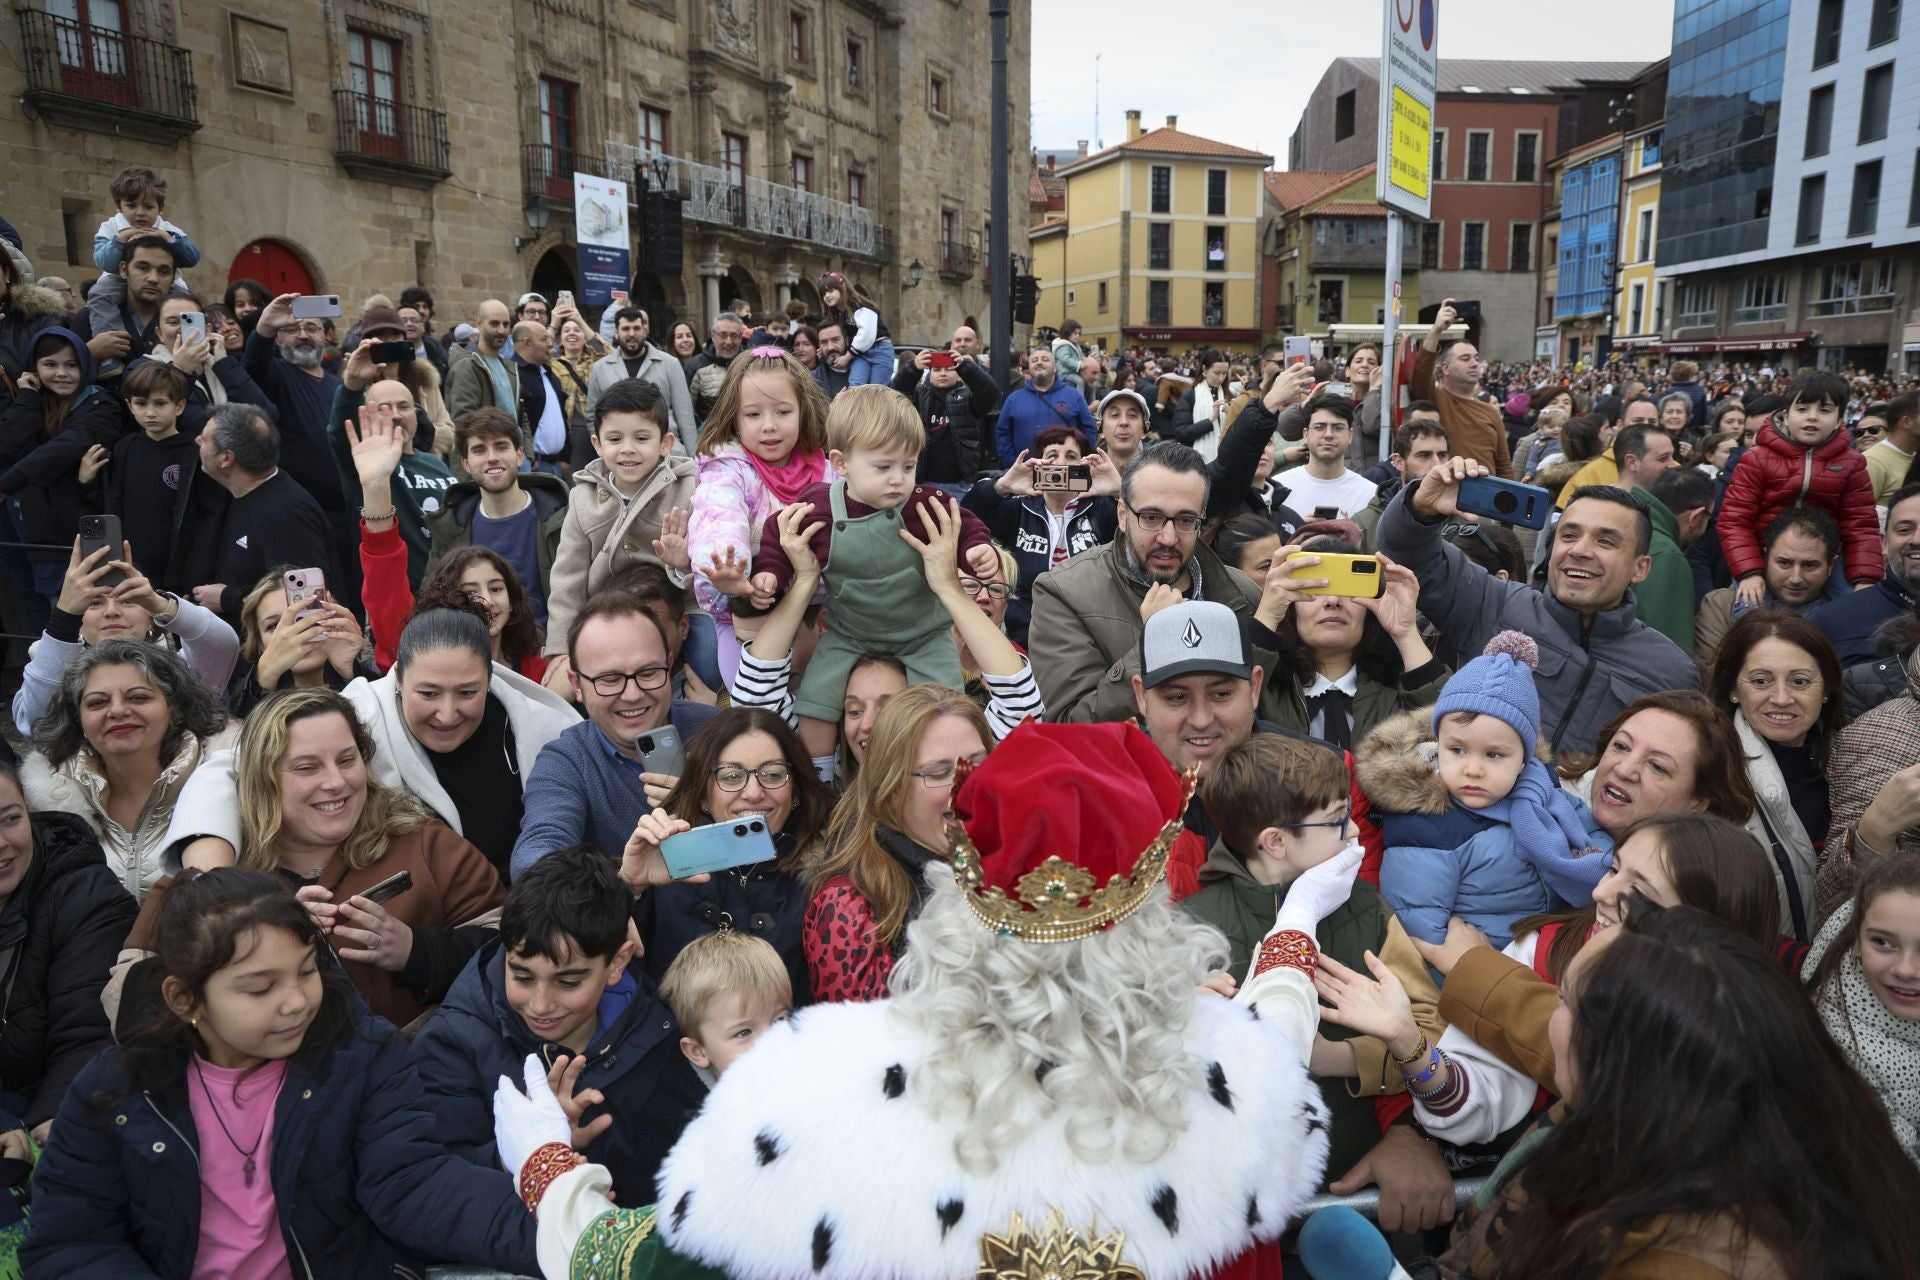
1640,307
1159,246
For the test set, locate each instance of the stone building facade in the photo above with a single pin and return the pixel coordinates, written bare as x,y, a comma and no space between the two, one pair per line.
352,146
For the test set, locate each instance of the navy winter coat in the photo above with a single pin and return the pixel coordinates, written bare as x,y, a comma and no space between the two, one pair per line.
475,1037
363,1185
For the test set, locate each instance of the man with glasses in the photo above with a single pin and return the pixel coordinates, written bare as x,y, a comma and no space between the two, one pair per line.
1088,613
1323,488
591,783
426,347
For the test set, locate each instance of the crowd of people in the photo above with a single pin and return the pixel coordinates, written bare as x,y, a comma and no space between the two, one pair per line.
412,701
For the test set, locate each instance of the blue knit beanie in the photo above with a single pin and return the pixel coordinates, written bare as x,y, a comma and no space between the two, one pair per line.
1498,683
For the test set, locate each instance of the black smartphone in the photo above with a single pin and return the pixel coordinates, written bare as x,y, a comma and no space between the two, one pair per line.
389,889
1326,513
1507,501
103,531
392,352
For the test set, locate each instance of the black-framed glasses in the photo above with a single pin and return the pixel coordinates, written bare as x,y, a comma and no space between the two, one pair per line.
1339,823
997,590
611,684
1151,521
731,777
941,775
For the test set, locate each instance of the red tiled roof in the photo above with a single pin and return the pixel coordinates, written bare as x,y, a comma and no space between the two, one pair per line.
1293,189
1350,209
1172,142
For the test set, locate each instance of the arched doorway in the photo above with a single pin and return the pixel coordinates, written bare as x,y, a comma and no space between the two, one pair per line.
553,273
662,304
804,289
738,283
275,264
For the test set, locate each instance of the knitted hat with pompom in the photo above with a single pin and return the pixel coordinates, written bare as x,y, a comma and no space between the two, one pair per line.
1498,683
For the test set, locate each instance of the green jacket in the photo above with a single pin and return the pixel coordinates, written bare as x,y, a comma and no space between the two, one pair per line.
419,485
1232,901
452,525
1665,599
1373,702
1368,517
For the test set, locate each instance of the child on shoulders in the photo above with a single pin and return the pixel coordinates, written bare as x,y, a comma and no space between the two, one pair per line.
139,195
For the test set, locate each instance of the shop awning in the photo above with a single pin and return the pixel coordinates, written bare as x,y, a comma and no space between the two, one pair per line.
1759,342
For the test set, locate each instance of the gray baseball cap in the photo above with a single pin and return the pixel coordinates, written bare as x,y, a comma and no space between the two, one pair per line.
1122,394
1194,636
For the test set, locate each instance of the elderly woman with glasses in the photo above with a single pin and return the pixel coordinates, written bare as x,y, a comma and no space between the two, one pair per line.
745,761
998,677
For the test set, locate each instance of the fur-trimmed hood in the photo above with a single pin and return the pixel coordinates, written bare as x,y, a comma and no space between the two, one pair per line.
1556,471
33,302
1397,765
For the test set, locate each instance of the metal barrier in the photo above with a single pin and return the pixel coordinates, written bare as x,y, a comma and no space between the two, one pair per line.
1365,1202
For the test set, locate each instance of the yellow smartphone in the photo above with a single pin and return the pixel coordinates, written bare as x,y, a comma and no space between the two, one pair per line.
1346,575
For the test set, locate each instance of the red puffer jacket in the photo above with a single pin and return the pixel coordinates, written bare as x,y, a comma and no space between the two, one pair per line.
1778,473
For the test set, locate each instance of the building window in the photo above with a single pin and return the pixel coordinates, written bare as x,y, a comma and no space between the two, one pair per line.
1216,193
1637,307
372,67
1660,306
558,107
1159,308
733,158
1826,32
802,172
653,129
1101,298
1885,24
1473,246
1162,189
1913,197
1520,246
856,65
1159,246
1430,246
1439,154
1644,249
1526,157
1848,288
1333,302
1650,149
1343,125
1694,304
1216,248
1213,304
937,94
1819,121
1813,194
1876,97
1864,214
1479,154
856,189
1762,297
796,37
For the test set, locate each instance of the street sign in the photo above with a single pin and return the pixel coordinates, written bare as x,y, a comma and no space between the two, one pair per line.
1403,178
600,222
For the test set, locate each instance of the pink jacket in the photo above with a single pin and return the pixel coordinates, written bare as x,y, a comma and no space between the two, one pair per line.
730,505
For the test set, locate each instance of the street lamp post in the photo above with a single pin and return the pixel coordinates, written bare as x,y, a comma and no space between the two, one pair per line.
1002,327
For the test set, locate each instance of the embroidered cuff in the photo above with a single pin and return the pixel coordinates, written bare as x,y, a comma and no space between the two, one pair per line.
1290,948
542,1167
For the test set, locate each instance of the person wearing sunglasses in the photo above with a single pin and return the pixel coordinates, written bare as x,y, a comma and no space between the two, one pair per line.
743,762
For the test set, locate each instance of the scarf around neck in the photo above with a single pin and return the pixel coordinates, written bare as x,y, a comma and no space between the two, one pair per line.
1883,1048
790,478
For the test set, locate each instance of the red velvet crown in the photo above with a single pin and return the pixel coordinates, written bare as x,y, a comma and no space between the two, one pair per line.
1067,829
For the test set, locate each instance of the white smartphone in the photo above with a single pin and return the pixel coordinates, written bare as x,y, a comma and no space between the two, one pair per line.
193,324
316,306
566,296
1298,350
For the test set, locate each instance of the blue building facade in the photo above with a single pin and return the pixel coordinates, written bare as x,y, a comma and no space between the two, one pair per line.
1589,237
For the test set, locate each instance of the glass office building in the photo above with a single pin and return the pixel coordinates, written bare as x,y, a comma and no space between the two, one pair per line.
1723,119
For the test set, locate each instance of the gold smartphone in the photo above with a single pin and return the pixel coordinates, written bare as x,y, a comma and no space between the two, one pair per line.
1346,575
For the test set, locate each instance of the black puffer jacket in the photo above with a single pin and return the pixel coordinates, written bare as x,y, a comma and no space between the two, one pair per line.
64,926
959,422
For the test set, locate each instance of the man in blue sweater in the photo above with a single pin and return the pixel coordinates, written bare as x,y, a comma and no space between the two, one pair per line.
589,783
1042,401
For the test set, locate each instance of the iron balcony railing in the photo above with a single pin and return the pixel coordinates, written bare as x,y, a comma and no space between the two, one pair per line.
98,69
957,259
719,197
389,137
547,171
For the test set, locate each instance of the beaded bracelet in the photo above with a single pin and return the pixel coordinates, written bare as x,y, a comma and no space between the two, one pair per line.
1453,1079
1429,1071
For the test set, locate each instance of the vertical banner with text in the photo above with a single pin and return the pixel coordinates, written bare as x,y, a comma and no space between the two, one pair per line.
1404,177
600,221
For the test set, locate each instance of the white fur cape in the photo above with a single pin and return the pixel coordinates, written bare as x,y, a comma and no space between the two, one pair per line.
813,1158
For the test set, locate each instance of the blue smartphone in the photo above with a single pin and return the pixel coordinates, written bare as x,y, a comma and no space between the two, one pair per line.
718,846
1507,501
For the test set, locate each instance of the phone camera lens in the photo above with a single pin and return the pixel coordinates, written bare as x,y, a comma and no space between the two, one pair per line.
756,826
739,828
1506,503
1363,566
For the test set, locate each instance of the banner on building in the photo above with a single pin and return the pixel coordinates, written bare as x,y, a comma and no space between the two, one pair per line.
600,222
1403,179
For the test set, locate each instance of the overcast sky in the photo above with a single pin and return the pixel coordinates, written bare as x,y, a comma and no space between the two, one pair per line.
1245,81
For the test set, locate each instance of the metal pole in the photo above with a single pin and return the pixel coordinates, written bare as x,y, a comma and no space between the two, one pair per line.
1390,339
1000,343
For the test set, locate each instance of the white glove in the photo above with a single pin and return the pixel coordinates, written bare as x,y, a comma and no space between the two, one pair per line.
525,1122
1319,892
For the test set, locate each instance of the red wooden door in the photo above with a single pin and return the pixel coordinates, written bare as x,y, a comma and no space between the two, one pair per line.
273,265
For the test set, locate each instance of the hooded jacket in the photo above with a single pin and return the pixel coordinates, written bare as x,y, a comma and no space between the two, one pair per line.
362,1184
451,527
601,532
1027,411
1778,473
635,1063
61,930
1590,667
41,473
29,311
959,421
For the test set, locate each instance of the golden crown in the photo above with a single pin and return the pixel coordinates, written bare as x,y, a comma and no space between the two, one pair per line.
1056,1252
1060,901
